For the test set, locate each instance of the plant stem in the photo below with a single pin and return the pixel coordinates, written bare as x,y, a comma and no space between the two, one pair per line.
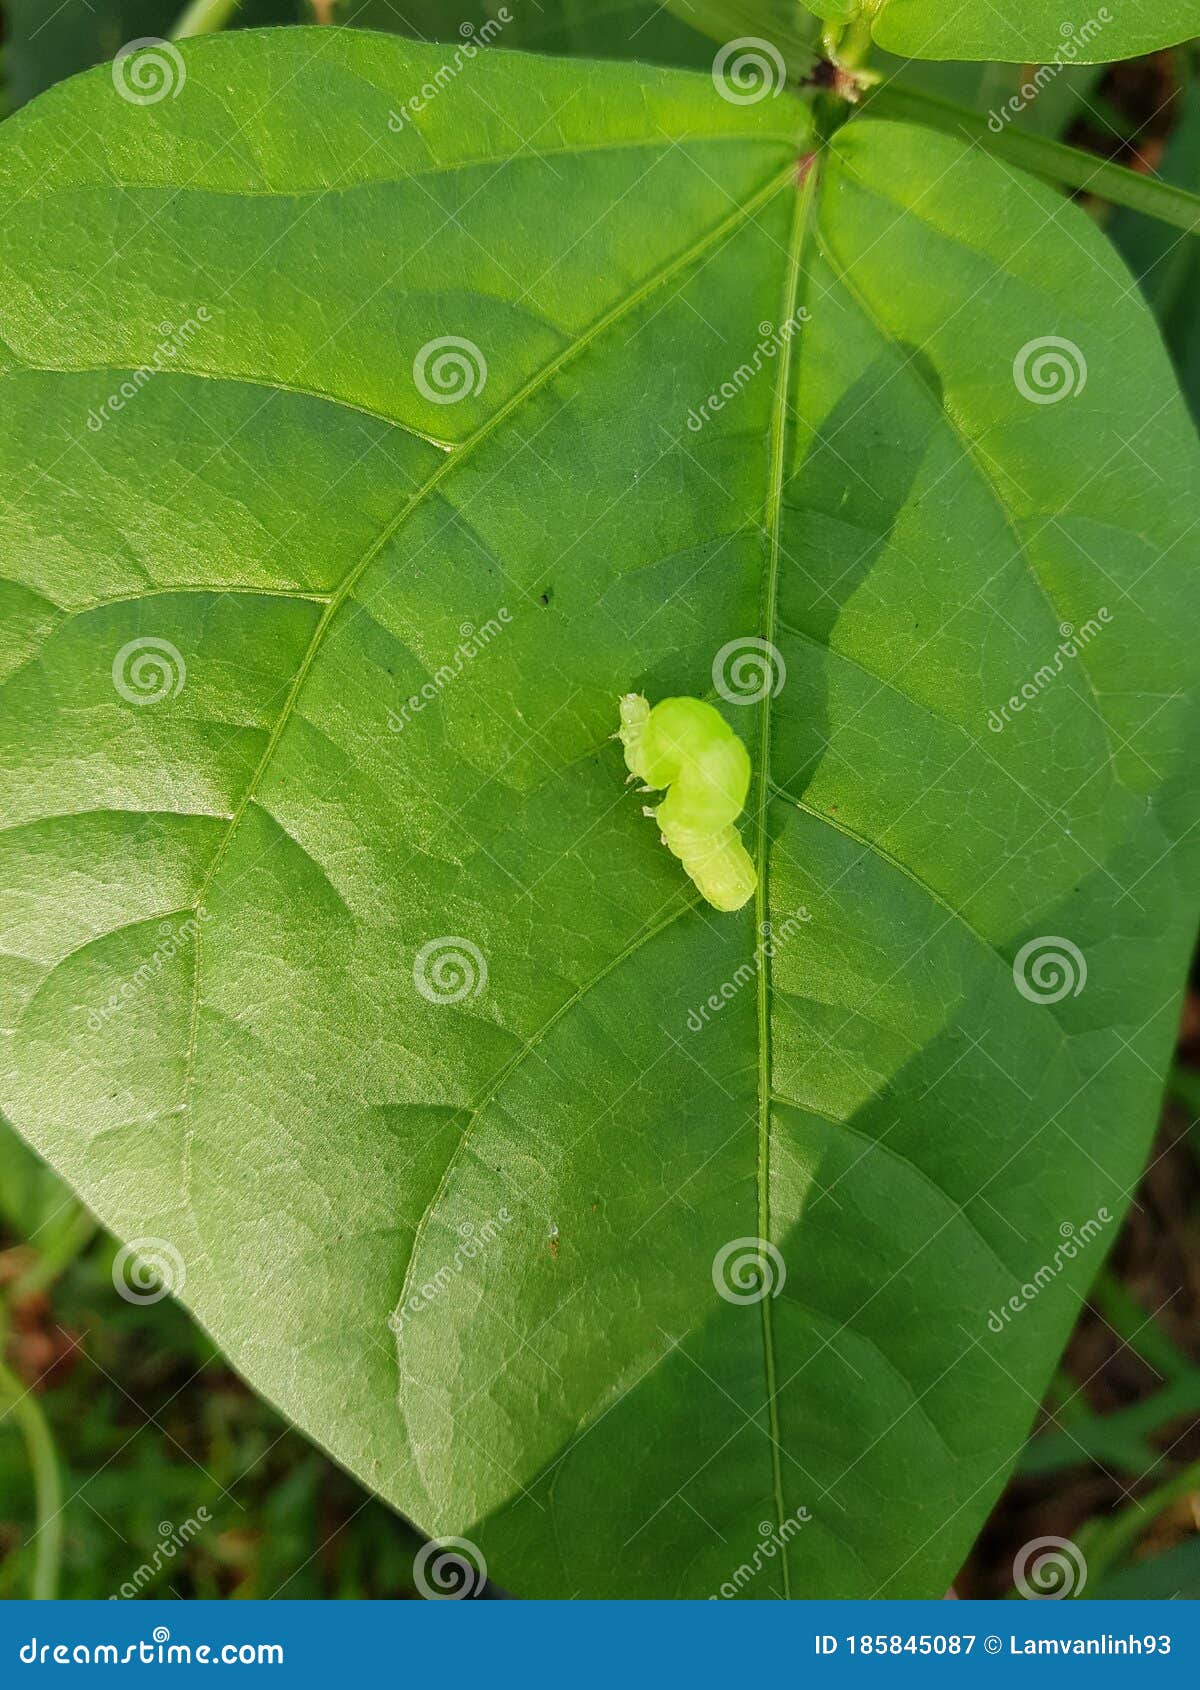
47,1485
1052,160
201,17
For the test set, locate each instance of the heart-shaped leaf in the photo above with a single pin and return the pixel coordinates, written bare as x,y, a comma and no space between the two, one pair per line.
364,439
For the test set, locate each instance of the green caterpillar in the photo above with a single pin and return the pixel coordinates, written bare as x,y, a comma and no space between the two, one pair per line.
686,746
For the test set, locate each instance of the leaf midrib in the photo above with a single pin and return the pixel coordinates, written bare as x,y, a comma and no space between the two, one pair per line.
777,478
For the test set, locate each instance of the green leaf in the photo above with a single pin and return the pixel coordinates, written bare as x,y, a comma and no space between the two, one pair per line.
1167,267
1033,32
617,29
1153,195
464,1228
782,24
49,40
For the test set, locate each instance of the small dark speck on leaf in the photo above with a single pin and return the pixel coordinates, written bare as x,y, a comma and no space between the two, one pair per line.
544,598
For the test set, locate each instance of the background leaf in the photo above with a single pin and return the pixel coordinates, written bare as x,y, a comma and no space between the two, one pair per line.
551,1164
1034,32
1166,264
